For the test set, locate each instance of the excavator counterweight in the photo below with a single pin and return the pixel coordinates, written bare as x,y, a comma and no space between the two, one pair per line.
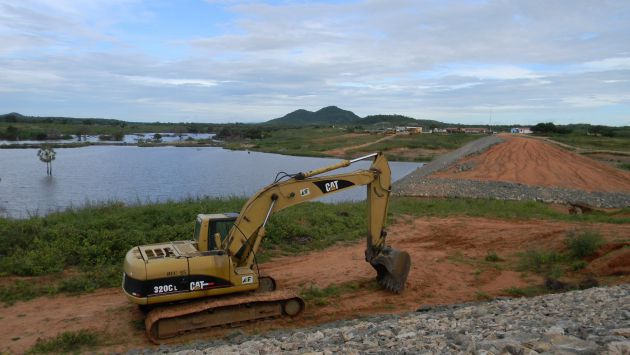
215,274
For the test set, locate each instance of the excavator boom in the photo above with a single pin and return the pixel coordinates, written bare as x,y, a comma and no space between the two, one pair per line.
392,265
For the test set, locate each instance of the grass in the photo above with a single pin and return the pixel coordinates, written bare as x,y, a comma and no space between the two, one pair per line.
483,296
417,141
66,342
492,257
595,142
624,166
82,249
306,141
316,296
421,207
23,290
314,141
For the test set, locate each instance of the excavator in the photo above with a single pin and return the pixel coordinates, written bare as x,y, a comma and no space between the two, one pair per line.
214,279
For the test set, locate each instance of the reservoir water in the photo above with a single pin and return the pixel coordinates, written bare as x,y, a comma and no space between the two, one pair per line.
143,175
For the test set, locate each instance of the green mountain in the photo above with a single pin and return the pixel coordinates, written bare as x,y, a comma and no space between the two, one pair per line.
326,116
399,120
333,115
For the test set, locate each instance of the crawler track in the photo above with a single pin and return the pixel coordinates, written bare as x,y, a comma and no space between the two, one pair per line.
170,321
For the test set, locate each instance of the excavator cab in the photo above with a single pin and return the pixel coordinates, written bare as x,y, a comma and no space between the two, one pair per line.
211,230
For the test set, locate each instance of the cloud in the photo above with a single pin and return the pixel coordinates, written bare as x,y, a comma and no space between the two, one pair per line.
597,100
620,63
252,61
147,80
502,72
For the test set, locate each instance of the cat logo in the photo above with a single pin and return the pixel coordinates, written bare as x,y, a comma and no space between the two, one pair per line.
328,186
332,186
198,285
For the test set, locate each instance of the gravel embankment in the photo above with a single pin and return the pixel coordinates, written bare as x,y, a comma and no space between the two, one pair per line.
593,321
420,185
448,159
434,187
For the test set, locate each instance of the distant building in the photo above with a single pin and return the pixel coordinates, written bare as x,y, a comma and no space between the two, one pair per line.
408,130
521,130
475,130
438,130
454,130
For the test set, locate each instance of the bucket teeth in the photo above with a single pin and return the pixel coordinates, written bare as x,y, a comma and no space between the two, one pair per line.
391,284
392,267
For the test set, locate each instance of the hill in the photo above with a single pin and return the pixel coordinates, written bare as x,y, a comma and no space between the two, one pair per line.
400,120
326,116
333,115
15,117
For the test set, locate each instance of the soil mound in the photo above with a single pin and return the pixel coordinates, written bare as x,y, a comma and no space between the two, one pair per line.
535,162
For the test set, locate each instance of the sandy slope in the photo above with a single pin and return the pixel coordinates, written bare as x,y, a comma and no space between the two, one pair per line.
535,162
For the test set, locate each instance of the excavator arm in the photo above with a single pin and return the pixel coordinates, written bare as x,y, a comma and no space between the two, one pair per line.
244,239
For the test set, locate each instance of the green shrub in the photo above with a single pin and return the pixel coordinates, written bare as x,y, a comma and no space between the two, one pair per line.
493,257
541,262
578,265
66,342
584,243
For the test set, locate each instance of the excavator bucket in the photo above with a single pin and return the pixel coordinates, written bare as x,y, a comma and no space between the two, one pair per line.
392,267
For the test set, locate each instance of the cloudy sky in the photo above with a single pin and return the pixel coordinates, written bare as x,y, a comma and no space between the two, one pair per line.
223,61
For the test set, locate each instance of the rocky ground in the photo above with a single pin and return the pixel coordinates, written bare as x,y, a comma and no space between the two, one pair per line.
504,190
592,321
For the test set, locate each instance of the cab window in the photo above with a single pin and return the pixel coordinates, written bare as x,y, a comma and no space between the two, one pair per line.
197,230
221,227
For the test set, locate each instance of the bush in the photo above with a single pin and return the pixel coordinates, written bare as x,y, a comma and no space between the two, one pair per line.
584,243
541,262
545,128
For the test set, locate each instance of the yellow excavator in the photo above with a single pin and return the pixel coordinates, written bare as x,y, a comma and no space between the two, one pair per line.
217,271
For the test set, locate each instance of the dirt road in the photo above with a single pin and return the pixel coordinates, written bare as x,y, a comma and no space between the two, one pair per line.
535,162
341,152
447,266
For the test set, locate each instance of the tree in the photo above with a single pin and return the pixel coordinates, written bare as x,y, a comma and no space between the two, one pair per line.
118,135
47,154
12,133
546,128
157,137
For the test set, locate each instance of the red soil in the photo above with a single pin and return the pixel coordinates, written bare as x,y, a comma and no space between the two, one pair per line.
447,266
535,162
